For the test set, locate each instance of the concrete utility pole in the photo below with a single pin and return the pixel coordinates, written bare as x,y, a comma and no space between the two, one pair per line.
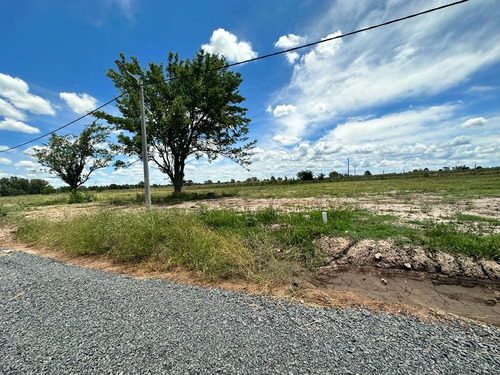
347,167
147,189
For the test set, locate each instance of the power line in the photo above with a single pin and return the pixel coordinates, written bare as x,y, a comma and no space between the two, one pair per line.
251,60
348,34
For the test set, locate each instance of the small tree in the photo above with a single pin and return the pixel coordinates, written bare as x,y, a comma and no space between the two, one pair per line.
74,158
333,175
305,175
368,173
321,177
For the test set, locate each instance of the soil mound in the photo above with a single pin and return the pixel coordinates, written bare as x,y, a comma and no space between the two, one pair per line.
385,255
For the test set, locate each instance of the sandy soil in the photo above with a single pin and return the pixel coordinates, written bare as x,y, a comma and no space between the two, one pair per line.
373,274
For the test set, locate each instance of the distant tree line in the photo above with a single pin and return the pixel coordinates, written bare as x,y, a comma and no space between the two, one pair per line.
21,186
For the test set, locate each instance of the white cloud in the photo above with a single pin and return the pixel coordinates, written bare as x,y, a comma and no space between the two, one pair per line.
289,41
396,127
17,92
474,122
292,57
458,141
18,126
5,161
413,139
286,140
481,89
9,111
326,148
79,103
417,59
284,110
224,43
28,164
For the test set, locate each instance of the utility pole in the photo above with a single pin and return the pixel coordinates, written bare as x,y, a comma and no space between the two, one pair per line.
147,189
347,167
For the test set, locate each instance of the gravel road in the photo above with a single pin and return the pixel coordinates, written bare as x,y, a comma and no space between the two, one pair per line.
61,319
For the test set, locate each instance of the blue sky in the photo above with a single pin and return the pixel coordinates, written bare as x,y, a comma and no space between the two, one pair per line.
420,93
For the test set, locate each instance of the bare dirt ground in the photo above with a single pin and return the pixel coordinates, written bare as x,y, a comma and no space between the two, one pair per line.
408,208
373,274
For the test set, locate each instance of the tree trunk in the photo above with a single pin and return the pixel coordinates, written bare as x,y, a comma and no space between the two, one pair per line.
177,184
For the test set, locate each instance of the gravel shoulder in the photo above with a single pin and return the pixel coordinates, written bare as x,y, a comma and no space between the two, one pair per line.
58,318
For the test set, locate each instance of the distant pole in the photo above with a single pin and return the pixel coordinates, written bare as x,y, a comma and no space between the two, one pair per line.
147,189
347,167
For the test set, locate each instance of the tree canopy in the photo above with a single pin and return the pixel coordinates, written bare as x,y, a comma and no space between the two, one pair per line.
20,186
74,158
192,110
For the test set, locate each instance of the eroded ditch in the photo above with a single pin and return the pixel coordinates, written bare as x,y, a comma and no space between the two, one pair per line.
437,281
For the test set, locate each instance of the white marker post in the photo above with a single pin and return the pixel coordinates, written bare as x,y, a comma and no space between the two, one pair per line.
323,214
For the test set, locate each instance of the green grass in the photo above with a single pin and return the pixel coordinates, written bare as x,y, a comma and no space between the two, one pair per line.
447,238
259,246
477,219
169,238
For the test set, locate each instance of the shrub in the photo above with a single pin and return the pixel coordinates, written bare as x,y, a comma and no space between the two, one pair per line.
77,197
305,175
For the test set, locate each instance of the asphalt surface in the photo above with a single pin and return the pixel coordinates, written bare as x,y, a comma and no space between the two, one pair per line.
62,319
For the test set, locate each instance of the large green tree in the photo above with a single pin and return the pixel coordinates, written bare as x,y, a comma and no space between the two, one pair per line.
74,158
192,110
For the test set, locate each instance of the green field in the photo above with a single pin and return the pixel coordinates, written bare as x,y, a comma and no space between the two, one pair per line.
268,243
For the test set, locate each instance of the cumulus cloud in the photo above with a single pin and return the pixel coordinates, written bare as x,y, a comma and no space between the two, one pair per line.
289,41
286,140
28,164
18,126
326,148
16,91
5,161
7,110
292,57
458,141
79,103
284,110
224,43
474,122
